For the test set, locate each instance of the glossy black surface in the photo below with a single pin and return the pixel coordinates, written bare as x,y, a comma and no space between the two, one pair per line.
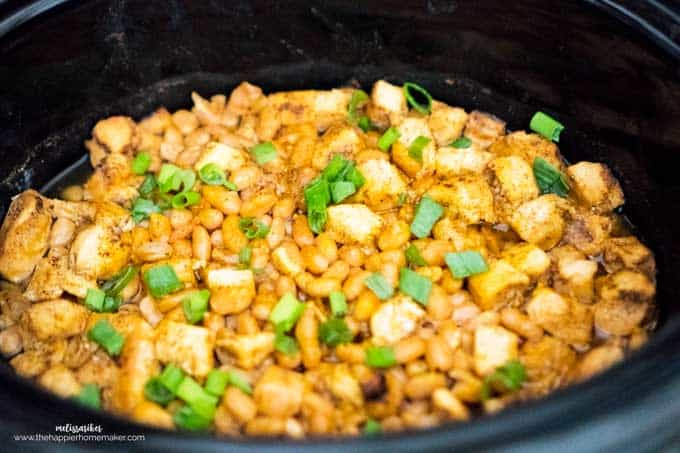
616,90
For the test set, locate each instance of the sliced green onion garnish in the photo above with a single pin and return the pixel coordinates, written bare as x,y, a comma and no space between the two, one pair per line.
231,186
509,377
264,152
162,280
185,199
171,378
388,138
157,392
111,304
241,383
203,403
414,257
245,256
317,193
195,305
549,179
212,175
148,185
428,212
380,357
171,178
547,126
142,208
466,264
317,218
338,304
90,396
415,285
372,427
341,190
377,283
216,382
253,229
353,175
365,124
415,151
286,312
118,282
285,344
94,299
105,335
334,332
359,97
334,168
402,199
412,91
186,418
461,143
141,163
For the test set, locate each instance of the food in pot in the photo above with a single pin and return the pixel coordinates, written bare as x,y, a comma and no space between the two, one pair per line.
321,262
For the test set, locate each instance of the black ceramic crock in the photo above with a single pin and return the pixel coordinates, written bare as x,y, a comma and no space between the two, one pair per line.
608,70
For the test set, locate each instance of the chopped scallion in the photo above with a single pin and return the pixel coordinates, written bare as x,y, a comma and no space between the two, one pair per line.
94,299
388,138
365,124
186,418
359,97
185,199
148,185
402,198
507,378
415,285
427,213
353,175
171,377
334,332
264,153
372,427
338,303
155,391
161,280
118,282
334,168
141,163
90,396
424,103
195,305
286,312
203,403
414,257
212,175
379,285
240,382
461,143
380,357
341,190
253,229
415,151
546,126
216,382
142,208
245,256
171,178
285,344
105,335
549,179
465,264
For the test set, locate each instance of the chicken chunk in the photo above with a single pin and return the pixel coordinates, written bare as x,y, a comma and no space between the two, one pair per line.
461,236
597,360
446,122
502,284
189,347
528,259
628,253
46,281
395,319
540,221
384,184
113,181
352,223
340,139
243,97
528,147
575,276
236,289
226,157
341,383
494,346
483,129
547,362
563,317
54,319
117,134
97,253
24,236
320,107
588,232
138,364
248,350
388,104
624,299
279,392
60,380
595,186
515,183
468,199
461,162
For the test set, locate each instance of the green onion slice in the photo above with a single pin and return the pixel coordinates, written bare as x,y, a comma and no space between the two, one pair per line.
365,124
105,335
341,190
334,168
142,208
428,212
111,304
359,98
216,382
203,403
212,175
237,380
461,143
186,418
117,283
414,257
317,193
334,332
141,163
402,198
415,285
94,299
380,357
148,185
508,378
353,175
185,199
155,391
171,178
465,264
90,396
286,312
231,186
549,179
162,280
379,285
415,151
253,229
245,256
546,126
338,303
195,305
171,378
388,138
418,98
264,153
285,344
372,427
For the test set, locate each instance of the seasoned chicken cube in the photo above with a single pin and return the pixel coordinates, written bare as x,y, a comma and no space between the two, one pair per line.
502,284
548,362
233,289
189,347
527,258
595,186
98,253
113,181
24,236
384,183
279,392
528,147
461,236
446,122
248,350
540,221
341,383
395,319
60,380
351,223
340,139
628,253
460,162
138,364
320,107
588,232
575,275
624,299
494,346
563,317
388,104
412,128
243,97
226,157
468,199
483,128
117,134
515,182
55,319
46,281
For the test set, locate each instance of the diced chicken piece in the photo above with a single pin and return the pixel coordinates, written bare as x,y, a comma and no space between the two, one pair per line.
384,184
279,392
628,253
226,157
468,199
483,129
78,212
461,236
563,317
515,182
352,223
46,281
341,383
494,346
236,289
597,360
547,363
100,370
138,364
446,122
117,134
528,147
12,304
320,107
595,186
412,128
249,350
588,232
575,274
395,319
502,284
149,413
189,347
205,111
624,299
99,253
60,380
540,221
460,162
29,364
340,139
113,181
55,319
527,258
388,104
24,236
243,97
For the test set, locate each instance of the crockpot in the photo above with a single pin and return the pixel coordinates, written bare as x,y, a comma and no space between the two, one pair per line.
607,69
